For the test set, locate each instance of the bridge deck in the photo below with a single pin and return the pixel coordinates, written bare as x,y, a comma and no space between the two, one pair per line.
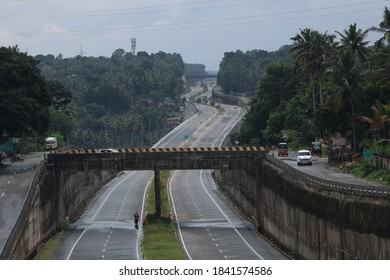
158,158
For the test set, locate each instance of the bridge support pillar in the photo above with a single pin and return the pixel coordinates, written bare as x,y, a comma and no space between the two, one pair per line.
157,193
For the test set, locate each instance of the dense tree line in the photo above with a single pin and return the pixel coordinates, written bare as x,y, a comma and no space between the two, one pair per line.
195,69
335,84
24,95
27,98
117,101
240,71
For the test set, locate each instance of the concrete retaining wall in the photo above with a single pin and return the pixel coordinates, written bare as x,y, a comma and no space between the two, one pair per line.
308,219
220,97
54,200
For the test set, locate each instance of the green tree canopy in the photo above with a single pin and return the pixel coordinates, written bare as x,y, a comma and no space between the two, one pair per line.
24,94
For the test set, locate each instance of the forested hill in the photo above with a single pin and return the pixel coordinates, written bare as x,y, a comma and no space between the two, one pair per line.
117,101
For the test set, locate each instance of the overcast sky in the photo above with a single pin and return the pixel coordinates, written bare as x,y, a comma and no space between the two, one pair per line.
201,31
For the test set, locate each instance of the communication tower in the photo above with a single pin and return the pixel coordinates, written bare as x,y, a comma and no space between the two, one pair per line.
133,45
81,52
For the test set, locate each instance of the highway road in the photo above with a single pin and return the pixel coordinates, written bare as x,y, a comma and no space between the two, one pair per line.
15,179
209,227
106,229
322,169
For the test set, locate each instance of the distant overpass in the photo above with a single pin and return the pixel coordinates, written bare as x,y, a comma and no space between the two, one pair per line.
156,159
201,77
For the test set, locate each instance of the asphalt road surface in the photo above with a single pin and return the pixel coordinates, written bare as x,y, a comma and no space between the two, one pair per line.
15,180
322,169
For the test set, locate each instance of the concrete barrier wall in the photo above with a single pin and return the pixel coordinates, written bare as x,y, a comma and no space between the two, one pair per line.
73,189
220,97
312,219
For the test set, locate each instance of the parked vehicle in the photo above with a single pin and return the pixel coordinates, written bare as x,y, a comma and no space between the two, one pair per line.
282,149
316,148
304,157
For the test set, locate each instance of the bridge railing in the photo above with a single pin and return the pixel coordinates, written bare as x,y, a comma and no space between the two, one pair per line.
158,158
328,185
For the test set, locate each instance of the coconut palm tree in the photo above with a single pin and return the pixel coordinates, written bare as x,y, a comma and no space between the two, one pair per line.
354,39
312,51
384,27
380,59
380,64
380,123
323,52
302,54
346,76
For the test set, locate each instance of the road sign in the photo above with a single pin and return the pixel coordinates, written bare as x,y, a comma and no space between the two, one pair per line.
367,153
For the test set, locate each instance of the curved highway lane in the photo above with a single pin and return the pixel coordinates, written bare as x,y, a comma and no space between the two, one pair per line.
209,227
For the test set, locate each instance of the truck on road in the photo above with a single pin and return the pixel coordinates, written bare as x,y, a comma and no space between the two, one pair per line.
51,143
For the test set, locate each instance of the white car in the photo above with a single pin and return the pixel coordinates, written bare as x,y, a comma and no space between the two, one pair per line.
108,151
304,157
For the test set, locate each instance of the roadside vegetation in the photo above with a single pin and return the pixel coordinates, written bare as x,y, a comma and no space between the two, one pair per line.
118,101
46,253
367,171
322,86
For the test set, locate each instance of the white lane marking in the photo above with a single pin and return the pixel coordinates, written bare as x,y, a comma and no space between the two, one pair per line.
96,213
142,214
174,211
227,218
170,188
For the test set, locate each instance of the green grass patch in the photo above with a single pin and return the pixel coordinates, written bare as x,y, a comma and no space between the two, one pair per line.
368,171
160,241
159,235
46,253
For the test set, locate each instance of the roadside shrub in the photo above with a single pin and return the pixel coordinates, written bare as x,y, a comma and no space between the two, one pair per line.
361,169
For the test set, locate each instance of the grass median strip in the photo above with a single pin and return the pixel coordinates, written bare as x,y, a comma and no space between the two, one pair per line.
159,236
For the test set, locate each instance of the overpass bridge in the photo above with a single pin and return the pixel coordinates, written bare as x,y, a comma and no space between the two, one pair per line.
201,77
156,159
